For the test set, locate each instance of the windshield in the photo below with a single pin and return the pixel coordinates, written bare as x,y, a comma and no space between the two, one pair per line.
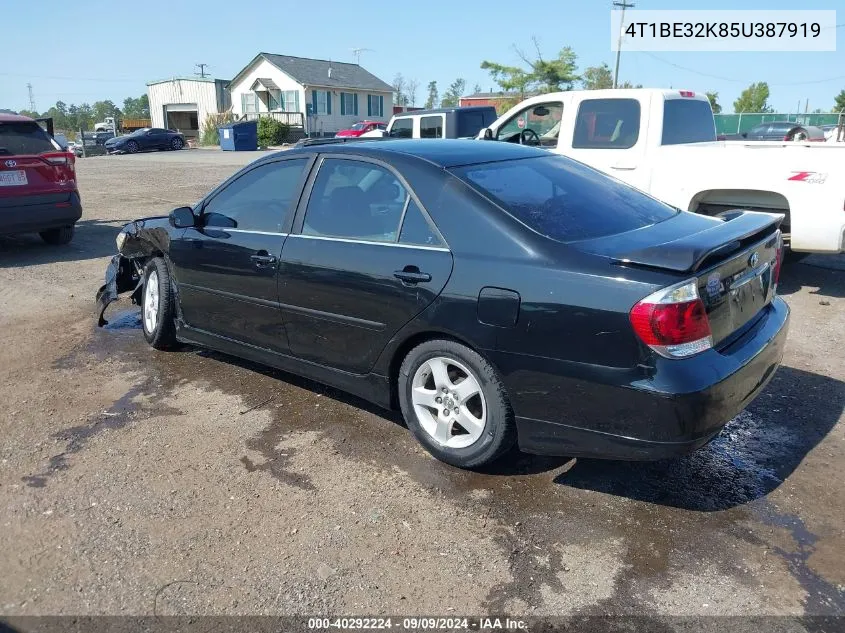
564,199
358,126
687,121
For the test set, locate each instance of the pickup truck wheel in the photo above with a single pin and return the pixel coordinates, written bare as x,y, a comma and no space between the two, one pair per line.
58,236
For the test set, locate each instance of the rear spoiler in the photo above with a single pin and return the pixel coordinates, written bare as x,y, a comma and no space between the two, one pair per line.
736,231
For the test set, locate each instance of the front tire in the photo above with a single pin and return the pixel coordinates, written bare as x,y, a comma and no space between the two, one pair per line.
455,404
132,147
177,144
158,307
59,236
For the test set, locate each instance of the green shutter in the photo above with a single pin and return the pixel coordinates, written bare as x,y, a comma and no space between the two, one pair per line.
381,106
355,104
314,101
328,101
342,104
369,106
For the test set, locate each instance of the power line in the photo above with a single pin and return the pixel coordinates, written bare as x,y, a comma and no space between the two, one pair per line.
103,79
202,72
623,5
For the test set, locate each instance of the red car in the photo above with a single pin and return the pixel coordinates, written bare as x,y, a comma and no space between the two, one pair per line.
359,128
38,191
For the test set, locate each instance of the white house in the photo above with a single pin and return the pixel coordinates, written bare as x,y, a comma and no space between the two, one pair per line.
182,103
339,94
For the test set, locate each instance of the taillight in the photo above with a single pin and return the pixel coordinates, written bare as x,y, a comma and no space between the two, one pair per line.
673,321
686,93
65,161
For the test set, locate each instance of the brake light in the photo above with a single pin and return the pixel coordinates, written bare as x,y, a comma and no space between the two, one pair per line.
673,321
65,161
686,93
787,138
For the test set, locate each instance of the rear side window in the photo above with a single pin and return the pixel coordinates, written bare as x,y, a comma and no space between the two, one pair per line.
402,128
563,199
607,124
470,123
24,137
431,126
687,121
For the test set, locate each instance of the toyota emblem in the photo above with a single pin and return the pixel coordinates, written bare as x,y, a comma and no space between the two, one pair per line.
11,163
752,261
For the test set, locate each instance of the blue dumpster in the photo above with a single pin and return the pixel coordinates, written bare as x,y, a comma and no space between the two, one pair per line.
239,137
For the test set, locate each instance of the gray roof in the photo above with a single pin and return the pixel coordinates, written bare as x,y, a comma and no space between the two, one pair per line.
315,72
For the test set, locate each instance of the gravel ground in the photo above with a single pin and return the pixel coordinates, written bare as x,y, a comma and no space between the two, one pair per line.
141,482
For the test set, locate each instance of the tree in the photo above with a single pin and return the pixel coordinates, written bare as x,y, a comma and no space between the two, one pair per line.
399,96
433,99
597,78
453,95
629,85
543,75
839,102
413,85
754,99
476,89
713,97
137,108
103,109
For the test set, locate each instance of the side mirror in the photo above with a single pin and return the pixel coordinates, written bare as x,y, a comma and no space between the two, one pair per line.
183,218
487,134
744,135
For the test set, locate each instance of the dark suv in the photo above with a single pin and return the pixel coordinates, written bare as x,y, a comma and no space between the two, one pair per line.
38,191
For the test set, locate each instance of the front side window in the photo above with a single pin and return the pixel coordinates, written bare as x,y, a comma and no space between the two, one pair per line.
563,199
431,126
355,200
538,124
607,124
402,128
259,200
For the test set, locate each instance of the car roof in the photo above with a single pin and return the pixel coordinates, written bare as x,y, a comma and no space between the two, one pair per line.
442,111
8,118
441,152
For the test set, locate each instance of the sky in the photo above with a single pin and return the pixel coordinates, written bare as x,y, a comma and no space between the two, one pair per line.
89,50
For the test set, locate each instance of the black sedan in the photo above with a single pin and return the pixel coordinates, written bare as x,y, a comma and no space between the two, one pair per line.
145,139
493,292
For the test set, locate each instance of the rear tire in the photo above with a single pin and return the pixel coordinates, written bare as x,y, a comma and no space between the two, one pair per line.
158,305
132,147
58,236
177,144
455,404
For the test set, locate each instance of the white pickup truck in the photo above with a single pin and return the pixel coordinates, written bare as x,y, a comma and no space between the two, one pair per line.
664,142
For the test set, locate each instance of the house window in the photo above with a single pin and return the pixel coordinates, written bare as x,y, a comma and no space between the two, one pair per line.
349,103
249,102
290,101
274,100
321,101
375,105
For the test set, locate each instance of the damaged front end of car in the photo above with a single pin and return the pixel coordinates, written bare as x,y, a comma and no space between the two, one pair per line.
137,242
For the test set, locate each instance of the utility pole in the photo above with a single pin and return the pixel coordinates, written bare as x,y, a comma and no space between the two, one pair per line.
622,5
31,98
202,72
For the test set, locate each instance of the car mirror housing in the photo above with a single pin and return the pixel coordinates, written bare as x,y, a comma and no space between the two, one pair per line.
183,218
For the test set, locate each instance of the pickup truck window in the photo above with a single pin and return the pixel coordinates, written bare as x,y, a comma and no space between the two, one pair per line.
563,199
431,126
402,128
543,119
687,121
607,124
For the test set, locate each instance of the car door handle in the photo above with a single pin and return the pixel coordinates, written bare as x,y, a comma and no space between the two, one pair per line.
412,275
262,259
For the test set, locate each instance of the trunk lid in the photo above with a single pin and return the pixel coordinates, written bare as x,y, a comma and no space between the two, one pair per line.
31,163
732,259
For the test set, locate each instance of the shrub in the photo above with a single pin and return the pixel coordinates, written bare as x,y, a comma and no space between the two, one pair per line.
209,135
272,132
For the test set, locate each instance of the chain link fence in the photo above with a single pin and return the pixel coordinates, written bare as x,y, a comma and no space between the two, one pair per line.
739,123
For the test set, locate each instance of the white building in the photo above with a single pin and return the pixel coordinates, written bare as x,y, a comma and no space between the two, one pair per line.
339,94
182,103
